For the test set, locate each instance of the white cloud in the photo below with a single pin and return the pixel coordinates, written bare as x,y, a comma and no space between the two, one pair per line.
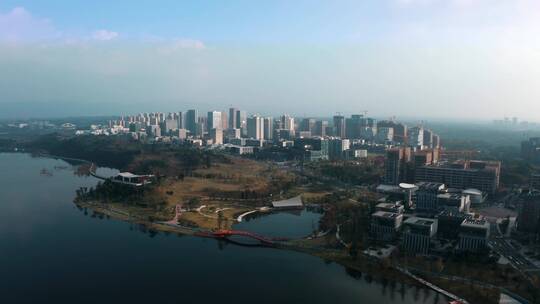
188,44
104,35
18,25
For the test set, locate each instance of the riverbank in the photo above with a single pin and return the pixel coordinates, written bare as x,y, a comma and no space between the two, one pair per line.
324,248
211,187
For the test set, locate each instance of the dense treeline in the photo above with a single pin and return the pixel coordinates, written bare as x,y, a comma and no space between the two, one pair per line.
174,160
127,154
107,151
353,173
108,192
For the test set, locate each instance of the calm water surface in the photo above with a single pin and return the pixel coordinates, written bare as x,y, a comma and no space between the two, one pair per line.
51,252
287,224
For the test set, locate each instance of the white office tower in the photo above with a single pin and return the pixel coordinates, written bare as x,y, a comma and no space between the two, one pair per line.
255,127
287,123
416,137
213,120
216,135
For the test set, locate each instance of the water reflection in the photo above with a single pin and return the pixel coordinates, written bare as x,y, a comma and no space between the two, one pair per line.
73,255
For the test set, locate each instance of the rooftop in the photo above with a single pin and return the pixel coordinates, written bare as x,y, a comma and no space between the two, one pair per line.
475,223
468,165
419,221
429,186
472,191
454,212
385,214
388,188
407,186
455,196
291,202
128,175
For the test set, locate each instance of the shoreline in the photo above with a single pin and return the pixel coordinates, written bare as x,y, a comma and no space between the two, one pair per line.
369,265
363,263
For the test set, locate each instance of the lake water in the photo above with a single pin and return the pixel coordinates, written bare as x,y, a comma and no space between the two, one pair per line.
287,224
52,252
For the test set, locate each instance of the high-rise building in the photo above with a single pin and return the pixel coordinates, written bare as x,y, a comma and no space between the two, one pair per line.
154,130
241,120
169,125
307,125
339,126
385,225
481,175
423,158
385,134
418,234
255,127
268,128
232,134
314,148
354,125
426,196
224,120
337,148
396,164
213,120
530,150
416,137
320,128
454,201
216,135
201,126
473,235
428,139
528,219
233,118
282,134
400,130
368,133
450,222
436,141
153,121
287,123
180,120
192,117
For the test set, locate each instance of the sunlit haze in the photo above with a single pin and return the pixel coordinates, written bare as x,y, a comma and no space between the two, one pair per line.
457,59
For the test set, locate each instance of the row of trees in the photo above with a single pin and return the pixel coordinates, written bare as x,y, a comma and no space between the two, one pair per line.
108,192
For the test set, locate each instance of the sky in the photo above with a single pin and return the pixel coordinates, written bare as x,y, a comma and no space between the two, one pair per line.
462,59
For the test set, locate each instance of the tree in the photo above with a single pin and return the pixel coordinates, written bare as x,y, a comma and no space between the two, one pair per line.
220,219
193,202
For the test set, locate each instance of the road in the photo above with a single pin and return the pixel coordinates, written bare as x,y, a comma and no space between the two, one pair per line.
503,247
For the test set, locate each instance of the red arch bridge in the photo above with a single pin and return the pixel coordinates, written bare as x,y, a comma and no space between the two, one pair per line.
223,234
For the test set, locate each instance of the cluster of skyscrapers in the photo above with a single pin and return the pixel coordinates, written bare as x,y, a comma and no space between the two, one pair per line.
356,126
214,126
322,139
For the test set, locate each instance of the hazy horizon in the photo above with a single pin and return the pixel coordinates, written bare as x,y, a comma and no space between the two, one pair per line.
454,59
